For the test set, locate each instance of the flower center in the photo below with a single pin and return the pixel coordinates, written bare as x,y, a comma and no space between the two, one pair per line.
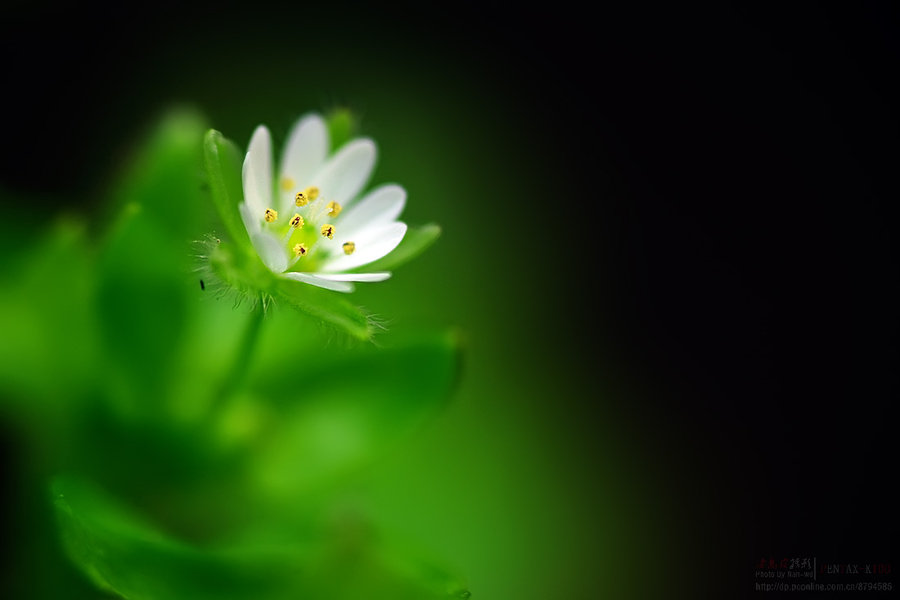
307,236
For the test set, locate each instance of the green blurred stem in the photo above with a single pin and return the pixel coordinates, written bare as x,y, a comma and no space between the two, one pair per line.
238,372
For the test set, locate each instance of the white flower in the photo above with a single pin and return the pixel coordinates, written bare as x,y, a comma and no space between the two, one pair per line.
312,228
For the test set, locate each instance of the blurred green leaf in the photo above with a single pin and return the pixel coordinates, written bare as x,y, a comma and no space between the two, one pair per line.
415,242
223,162
148,253
327,413
49,350
141,301
166,176
128,556
124,555
20,226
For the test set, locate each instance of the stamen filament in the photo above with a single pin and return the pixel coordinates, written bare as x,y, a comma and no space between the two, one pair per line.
296,223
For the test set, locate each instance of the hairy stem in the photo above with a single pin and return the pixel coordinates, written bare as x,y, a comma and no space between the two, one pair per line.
237,374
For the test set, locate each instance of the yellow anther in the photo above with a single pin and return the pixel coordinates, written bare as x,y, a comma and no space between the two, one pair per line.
312,192
287,184
271,215
301,199
349,247
334,209
297,221
328,231
300,250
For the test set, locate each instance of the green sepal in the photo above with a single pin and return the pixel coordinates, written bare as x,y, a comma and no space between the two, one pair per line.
342,125
326,306
241,271
223,162
247,275
415,242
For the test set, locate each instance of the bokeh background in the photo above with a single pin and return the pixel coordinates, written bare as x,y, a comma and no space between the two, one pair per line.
668,245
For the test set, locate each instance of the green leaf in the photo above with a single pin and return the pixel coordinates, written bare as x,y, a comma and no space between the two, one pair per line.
328,413
147,255
416,241
165,178
50,348
127,556
141,303
223,163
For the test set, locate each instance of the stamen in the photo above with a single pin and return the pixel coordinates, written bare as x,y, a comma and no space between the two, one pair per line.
312,192
271,215
287,184
328,231
334,209
300,250
349,247
297,221
301,199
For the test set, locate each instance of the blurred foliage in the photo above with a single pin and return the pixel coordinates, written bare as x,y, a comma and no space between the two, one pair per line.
195,432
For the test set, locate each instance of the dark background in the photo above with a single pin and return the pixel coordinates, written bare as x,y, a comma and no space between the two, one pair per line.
727,180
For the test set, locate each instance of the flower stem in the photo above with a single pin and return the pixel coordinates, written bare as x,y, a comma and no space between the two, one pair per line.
237,374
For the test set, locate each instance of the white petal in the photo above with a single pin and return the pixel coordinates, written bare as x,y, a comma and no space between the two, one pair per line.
379,207
380,276
373,246
345,173
252,221
338,286
270,250
257,172
305,150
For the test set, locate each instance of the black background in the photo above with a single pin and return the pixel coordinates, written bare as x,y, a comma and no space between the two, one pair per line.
746,161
